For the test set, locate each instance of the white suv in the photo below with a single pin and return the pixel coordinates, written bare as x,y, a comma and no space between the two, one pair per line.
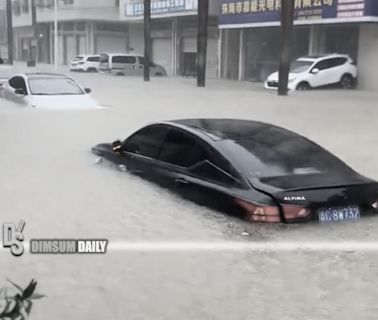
86,63
318,71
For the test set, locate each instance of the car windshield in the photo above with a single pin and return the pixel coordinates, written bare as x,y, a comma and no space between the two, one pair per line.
54,86
300,66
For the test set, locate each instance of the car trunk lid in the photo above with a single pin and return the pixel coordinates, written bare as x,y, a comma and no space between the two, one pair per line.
320,190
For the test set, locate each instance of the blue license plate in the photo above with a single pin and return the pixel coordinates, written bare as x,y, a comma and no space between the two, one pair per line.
339,214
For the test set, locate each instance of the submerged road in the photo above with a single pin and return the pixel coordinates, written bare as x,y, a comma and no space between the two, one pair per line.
50,179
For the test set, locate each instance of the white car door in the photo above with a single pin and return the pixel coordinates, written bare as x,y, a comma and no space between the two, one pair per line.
321,73
337,69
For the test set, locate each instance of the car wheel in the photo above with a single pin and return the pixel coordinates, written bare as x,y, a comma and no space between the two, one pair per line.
347,81
303,86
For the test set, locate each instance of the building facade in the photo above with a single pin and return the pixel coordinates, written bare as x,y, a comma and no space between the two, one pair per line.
250,35
3,32
111,26
173,33
85,26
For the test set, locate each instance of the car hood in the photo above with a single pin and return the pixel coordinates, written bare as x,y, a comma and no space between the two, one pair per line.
274,76
84,101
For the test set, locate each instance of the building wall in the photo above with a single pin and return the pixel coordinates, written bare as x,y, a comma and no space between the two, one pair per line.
82,10
136,40
106,10
367,57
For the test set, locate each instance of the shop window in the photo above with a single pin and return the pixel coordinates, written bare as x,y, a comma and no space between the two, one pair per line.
341,39
16,5
25,6
262,50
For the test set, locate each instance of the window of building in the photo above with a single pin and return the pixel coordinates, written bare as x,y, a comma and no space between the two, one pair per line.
25,6
16,7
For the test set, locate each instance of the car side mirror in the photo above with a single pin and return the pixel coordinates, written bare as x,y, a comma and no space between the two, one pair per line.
315,71
20,91
117,146
88,90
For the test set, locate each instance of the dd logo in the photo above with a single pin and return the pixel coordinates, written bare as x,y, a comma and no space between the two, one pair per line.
13,237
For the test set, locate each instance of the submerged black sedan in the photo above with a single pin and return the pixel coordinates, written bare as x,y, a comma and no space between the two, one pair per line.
254,170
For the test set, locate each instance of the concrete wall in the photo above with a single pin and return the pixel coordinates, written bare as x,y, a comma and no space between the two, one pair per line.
105,10
136,37
367,57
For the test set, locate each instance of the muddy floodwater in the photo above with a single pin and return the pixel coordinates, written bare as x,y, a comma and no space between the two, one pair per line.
50,179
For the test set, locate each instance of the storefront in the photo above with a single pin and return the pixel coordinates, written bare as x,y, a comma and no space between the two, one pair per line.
251,34
173,33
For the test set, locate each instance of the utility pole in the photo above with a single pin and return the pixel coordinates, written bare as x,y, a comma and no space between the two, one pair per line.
10,31
56,34
287,21
147,39
203,20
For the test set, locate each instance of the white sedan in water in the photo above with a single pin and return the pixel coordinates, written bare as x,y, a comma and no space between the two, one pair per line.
45,90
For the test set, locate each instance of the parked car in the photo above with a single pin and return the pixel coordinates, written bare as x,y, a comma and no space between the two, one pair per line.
86,63
45,90
255,170
318,71
128,64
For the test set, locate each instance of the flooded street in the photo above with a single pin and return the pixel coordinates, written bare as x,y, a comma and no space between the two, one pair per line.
49,178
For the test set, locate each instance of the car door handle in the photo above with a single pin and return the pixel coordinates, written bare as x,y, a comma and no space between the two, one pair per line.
181,181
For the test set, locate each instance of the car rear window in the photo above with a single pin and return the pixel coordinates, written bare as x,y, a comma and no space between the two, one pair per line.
279,156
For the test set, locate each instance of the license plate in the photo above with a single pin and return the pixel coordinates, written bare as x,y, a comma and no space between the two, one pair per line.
339,214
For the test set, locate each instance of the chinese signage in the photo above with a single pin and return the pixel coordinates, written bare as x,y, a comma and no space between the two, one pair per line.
160,7
265,11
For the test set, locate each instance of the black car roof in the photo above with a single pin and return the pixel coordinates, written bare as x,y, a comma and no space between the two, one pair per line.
221,129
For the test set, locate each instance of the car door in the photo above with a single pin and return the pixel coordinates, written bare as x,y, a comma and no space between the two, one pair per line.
186,165
337,69
323,76
141,150
139,66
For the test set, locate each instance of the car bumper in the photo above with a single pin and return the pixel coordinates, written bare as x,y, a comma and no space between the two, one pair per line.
273,85
76,68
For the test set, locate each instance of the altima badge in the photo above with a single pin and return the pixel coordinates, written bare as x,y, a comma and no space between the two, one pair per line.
295,198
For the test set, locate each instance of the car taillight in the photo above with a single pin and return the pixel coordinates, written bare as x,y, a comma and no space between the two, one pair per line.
295,212
375,205
259,213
